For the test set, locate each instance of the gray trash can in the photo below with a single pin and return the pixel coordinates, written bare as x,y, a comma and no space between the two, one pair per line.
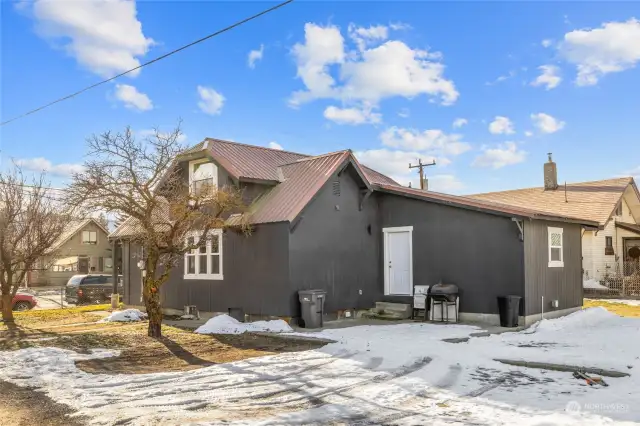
312,307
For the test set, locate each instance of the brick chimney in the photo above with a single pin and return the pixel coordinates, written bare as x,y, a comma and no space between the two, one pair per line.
550,175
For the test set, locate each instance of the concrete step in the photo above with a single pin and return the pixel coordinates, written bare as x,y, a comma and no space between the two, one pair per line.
391,310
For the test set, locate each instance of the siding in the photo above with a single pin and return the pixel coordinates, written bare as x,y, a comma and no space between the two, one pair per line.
562,284
336,247
480,253
255,271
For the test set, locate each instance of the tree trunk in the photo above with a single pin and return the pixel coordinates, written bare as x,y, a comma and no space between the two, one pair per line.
7,308
154,310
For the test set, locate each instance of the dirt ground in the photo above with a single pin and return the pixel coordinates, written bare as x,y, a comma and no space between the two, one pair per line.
26,407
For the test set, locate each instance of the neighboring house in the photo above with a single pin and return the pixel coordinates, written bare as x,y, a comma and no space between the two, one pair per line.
613,203
328,222
81,249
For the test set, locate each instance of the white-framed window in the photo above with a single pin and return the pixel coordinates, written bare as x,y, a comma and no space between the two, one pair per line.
203,176
556,248
204,262
89,237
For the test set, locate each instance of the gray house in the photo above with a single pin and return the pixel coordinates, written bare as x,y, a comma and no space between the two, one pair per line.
81,249
328,222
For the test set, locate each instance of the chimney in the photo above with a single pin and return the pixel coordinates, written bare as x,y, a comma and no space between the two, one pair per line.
550,175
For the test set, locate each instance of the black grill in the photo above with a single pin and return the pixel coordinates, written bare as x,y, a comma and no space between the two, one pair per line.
444,292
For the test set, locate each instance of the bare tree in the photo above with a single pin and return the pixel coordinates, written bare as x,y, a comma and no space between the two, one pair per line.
32,218
140,179
102,220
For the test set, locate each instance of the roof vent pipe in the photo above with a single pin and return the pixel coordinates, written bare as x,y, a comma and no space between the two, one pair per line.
550,175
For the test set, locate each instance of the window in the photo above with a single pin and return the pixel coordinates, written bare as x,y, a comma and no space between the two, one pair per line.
608,249
89,237
618,211
556,256
203,176
204,262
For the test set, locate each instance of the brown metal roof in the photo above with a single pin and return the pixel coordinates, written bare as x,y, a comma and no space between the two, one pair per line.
481,205
300,181
257,162
594,201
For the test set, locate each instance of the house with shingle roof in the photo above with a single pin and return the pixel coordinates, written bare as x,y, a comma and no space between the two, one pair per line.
328,222
613,203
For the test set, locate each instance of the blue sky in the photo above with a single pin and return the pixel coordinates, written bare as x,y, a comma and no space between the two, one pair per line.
386,79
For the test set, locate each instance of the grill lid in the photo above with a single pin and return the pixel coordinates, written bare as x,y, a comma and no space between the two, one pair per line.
443,289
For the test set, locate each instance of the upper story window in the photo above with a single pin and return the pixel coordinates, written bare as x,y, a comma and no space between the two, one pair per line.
203,176
89,237
556,248
618,211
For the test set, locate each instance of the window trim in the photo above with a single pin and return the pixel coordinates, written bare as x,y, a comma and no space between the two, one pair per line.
194,163
89,241
209,254
555,263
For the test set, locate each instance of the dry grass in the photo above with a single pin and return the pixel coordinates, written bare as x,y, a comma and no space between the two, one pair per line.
617,308
36,319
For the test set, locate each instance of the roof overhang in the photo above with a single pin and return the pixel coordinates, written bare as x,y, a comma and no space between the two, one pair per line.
628,227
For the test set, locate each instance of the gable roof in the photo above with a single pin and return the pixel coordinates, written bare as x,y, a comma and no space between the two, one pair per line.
251,162
72,229
594,201
490,207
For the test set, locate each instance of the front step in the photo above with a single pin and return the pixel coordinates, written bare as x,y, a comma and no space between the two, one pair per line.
390,311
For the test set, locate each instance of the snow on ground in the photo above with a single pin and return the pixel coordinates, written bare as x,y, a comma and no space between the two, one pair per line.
594,284
401,374
125,316
224,324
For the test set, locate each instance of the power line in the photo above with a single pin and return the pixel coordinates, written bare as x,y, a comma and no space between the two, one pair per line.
237,24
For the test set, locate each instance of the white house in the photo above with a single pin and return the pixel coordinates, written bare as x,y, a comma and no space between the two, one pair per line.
613,203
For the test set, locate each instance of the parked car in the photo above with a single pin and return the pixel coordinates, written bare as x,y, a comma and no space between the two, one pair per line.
91,288
24,302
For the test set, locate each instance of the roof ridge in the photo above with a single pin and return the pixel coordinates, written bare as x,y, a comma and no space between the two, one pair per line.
560,186
315,157
254,146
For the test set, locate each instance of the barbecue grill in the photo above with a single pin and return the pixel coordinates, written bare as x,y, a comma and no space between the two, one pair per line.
444,296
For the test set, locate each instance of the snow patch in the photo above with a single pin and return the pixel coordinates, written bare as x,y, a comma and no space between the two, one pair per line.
125,316
224,324
593,284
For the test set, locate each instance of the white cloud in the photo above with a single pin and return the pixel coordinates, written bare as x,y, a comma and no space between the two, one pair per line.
433,140
613,47
40,164
546,123
549,77
504,155
528,133
404,113
255,55
501,126
367,36
211,102
387,70
275,145
635,173
445,183
353,116
459,122
104,36
398,26
133,99
501,78
547,42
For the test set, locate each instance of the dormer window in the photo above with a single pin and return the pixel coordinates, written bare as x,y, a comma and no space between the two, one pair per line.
203,176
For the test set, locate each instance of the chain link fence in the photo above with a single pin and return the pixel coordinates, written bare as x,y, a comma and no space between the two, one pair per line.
620,280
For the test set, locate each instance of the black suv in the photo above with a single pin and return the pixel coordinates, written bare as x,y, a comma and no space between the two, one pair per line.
92,288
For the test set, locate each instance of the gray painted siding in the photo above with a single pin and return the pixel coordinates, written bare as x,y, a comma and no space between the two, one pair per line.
480,253
255,271
562,284
131,274
332,249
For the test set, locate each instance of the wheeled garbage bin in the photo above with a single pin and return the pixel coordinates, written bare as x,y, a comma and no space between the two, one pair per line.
312,307
509,308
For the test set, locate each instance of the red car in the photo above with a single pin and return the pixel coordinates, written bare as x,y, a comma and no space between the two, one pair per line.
24,302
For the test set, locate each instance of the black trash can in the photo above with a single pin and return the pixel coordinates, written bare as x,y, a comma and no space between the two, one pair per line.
312,307
509,307
237,313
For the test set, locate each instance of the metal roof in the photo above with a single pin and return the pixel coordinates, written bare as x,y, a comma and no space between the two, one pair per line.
482,205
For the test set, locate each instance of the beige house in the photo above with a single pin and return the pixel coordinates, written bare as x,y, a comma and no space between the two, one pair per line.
82,249
613,203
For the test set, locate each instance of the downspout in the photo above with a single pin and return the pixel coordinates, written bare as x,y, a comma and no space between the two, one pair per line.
115,297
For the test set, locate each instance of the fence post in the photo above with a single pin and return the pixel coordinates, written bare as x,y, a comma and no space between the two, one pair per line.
62,298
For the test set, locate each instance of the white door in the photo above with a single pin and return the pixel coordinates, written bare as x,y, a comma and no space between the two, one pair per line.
398,261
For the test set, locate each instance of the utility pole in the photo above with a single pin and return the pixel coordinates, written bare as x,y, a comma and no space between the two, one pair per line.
421,167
